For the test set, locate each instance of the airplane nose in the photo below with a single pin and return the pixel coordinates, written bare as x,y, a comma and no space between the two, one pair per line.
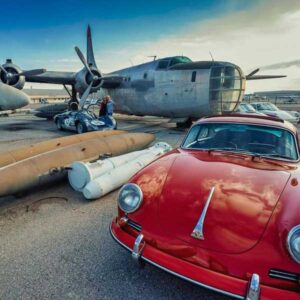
227,86
12,98
23,99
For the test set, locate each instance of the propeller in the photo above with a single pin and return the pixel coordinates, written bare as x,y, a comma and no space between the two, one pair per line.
252,76
10,76
252,73
83,60
89,62
85,95
89,49
31,72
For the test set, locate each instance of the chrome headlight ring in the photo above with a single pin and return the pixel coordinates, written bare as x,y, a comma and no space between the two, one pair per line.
293,243
130,197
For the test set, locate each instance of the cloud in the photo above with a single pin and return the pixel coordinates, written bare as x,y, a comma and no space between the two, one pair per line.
283,65
262,35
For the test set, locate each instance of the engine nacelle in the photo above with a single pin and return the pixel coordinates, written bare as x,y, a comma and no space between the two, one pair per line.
84,78
12,78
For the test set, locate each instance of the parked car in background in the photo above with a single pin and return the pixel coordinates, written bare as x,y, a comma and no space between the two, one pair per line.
272,110
43,101
84,120
221,211
246,108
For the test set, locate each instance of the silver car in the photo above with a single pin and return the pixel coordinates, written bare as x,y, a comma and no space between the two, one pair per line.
246,108
272,110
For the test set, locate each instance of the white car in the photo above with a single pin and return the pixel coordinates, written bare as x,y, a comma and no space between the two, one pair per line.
272,110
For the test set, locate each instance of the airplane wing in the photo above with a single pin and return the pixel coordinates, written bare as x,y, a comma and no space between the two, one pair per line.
53,77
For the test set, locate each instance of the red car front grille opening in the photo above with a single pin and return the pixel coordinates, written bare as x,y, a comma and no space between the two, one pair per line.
134,225
284,275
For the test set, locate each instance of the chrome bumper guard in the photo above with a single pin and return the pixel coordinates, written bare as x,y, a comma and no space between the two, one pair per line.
253,291
138,249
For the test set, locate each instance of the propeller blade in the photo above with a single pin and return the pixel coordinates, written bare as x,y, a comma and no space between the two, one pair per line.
85,95
30,72
252,73
89,48
258,77
2,68
81,57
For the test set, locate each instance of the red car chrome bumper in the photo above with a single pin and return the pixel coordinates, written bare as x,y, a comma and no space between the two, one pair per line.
230,286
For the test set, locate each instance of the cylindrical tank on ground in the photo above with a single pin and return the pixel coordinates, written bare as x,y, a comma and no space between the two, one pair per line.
113,179
81,173
49,166
13,156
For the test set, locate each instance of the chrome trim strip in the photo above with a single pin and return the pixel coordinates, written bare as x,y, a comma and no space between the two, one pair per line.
176,274
253,291
198,230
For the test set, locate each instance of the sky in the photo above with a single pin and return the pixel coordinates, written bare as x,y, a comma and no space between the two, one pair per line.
251,34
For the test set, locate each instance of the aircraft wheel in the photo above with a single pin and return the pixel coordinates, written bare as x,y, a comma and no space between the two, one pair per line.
59,125
183,125
81,128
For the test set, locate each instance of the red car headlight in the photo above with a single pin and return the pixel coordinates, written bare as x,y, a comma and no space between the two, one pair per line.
130,197
293,243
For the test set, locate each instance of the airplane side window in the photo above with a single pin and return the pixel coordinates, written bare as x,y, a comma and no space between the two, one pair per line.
194,74
163,64
145,75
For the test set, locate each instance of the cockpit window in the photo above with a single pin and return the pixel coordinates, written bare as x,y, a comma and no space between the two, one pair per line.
167,63
263,141
179,60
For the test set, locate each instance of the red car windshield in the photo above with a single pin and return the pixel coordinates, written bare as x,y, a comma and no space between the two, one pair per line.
266,141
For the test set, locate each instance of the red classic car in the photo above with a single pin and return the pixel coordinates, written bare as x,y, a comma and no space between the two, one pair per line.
221,211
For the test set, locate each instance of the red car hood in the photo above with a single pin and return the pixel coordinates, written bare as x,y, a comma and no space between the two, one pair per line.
240,208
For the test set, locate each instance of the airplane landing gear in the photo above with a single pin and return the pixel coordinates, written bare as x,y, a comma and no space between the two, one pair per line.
183,125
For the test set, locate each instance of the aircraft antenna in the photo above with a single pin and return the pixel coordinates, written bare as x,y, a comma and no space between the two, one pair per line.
212,58
154,57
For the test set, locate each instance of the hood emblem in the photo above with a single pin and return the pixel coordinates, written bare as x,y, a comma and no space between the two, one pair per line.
198,230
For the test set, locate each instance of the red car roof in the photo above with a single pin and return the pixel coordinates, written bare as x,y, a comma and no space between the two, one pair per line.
249,119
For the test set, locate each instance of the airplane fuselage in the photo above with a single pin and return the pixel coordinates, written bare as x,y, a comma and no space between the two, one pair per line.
183,90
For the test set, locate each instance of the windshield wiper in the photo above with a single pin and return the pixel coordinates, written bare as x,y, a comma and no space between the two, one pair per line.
276,155
230,150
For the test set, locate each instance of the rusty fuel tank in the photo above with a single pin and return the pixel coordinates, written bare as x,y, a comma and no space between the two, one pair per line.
46,167
13,156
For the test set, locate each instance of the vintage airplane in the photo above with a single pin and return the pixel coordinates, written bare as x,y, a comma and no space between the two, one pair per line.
173,87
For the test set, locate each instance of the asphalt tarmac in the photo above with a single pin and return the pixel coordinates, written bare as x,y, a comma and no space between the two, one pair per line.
54,244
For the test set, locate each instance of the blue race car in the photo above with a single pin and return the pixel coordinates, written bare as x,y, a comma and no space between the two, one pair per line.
83,121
